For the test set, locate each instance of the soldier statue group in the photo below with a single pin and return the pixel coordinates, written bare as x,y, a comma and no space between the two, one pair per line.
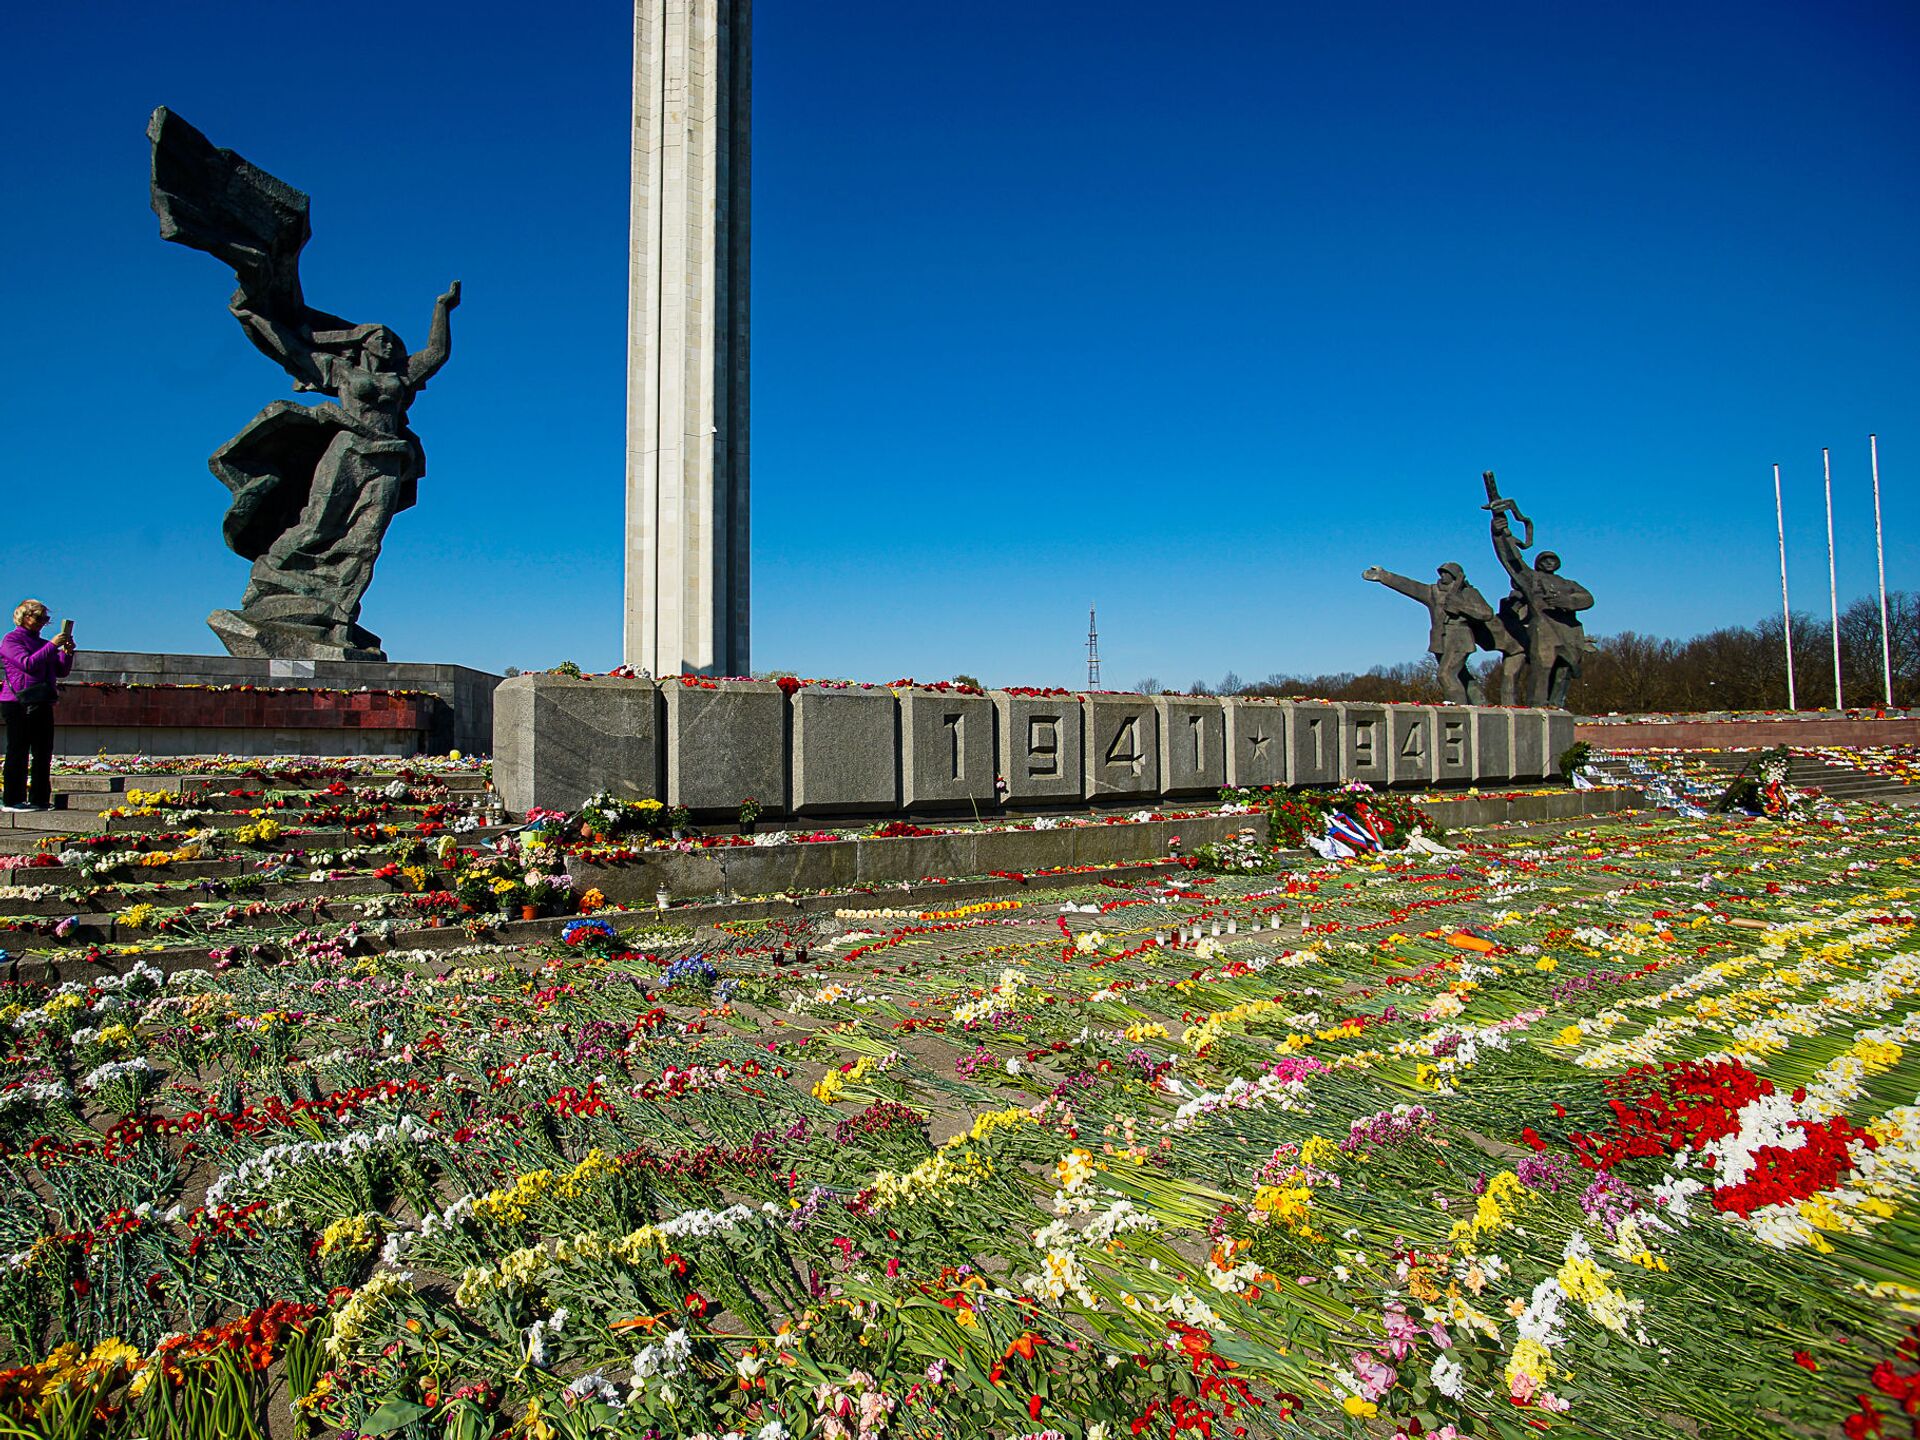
1537,625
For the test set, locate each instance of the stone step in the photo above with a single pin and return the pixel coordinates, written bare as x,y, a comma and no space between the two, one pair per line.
104,928
1835,783
118,781
313,842
316,857
52,822
55,968
111,899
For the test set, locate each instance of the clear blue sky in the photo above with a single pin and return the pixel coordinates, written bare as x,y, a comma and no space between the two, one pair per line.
1192,313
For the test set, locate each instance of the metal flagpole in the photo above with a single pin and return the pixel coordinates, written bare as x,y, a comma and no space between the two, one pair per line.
1833,589
1786,610
1880,552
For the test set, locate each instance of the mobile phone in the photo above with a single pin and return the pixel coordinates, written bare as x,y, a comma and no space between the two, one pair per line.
66,629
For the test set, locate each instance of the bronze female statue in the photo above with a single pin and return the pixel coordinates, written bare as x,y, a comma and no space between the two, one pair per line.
314,486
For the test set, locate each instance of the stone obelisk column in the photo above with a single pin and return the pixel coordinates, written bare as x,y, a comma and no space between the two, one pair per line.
687,530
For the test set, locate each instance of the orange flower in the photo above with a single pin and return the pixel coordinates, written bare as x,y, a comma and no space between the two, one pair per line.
1024,1346
638,1322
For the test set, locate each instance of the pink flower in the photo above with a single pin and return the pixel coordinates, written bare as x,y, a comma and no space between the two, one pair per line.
1375,1375
1402,1333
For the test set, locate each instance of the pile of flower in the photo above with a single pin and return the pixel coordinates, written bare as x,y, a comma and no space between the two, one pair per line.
1425,1143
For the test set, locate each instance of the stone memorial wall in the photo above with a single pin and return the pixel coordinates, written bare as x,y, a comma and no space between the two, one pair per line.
824,751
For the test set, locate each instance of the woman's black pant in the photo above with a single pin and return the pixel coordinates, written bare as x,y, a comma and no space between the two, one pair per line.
29,772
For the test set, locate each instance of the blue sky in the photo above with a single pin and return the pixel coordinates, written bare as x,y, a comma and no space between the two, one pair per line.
1193,315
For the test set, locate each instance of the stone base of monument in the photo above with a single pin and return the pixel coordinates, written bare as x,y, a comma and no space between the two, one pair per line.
865,861
139,703
255,637
833,751
197,720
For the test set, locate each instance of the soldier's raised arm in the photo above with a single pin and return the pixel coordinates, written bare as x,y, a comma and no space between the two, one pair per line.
1412,589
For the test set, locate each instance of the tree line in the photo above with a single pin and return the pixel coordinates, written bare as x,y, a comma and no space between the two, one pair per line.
1742,667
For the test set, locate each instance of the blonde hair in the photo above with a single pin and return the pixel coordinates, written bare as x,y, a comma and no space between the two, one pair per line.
29,607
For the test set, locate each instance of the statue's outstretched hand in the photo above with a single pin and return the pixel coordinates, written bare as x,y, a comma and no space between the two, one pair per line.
452,297
1373,572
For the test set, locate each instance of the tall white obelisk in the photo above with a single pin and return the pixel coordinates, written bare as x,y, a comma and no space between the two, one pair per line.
687,527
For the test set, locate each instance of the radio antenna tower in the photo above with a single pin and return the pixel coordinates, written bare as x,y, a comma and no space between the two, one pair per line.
1093,652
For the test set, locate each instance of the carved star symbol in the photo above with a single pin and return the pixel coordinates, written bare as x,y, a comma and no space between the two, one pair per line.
1257,741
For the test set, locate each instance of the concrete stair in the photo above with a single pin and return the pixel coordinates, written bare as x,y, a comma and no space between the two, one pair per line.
1714,770
252,897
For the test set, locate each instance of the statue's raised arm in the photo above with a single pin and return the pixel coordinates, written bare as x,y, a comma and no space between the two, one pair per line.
1508,549
424,363
1412,589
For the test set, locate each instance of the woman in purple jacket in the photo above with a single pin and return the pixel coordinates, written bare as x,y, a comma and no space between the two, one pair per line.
29,671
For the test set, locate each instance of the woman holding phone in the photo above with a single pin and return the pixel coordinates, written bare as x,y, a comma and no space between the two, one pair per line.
30,669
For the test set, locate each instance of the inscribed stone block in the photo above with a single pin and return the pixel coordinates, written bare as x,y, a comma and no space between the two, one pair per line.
846,751
1365,750
1122,755
1040,746
946,749
1256,741
1492,744
558,742
1529,744
1193,745
1313,752
726,742
1410,735
1452,744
